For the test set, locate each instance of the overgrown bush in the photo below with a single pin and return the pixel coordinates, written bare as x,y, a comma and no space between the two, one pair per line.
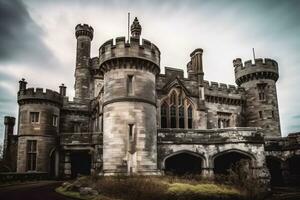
242,177
132,188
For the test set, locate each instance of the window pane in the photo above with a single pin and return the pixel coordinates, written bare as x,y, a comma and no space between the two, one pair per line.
163,122
173,122
181,117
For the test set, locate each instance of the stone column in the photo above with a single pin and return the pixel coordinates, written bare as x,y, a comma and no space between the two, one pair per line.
207,173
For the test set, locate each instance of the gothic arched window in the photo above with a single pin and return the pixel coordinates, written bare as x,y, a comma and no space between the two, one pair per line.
173,116
190,117
163,115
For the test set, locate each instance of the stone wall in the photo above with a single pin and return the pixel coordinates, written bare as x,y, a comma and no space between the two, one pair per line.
209,144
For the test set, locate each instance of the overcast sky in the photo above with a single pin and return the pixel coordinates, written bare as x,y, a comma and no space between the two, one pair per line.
37,41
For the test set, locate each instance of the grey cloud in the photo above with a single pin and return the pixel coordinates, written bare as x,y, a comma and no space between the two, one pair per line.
21,37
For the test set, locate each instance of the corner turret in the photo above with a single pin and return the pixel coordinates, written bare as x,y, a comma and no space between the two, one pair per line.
259,80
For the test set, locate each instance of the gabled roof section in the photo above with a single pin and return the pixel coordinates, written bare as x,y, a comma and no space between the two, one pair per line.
176,82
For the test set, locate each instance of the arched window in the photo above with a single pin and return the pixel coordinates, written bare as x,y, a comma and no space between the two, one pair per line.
163,115
181,117
173,116
190,117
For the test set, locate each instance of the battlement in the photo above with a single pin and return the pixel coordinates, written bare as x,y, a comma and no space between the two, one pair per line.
261,69
84,30
119,48
215,86
30,94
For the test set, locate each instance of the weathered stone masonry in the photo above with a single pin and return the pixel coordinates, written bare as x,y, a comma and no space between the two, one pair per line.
128,118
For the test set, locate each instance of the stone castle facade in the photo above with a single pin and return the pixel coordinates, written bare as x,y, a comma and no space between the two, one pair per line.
128,118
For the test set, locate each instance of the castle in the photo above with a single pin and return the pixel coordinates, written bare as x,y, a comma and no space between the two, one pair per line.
128,118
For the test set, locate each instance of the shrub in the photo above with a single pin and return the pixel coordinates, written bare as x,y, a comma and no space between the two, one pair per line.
241,176
131,188
183,191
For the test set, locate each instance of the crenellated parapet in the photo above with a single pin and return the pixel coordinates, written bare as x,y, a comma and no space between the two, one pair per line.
261,69
38,95
84,30
118,53
223,93
215,86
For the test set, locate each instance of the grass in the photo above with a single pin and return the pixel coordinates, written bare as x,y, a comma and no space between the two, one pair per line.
203,191
151,188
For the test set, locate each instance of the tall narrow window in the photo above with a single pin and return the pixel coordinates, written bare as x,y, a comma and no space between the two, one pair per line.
130,132
130,85
55,120
261,87
181,117
163,115
260,114
273,114
173,116
31,155
190,117
34,117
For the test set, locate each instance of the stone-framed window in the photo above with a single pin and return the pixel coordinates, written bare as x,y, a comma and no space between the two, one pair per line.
31,155
176,110
261,88
55,120
131,132
34,117
130,78
224,119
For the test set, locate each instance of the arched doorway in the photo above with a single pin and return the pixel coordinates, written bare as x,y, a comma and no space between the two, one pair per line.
294,169
274,166
182,163
227,160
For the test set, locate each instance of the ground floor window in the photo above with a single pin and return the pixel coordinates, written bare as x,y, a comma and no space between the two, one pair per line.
31,155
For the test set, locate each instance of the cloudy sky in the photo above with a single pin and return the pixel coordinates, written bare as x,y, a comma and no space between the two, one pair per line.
37,40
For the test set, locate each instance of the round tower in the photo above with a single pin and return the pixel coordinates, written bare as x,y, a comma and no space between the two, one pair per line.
38,123
129,106
84,35
259,80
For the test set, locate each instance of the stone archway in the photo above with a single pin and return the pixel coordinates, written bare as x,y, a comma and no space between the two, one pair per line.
223,161
183,162
274,166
